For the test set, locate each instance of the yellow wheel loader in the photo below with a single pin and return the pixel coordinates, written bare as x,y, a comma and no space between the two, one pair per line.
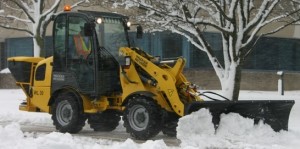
96,76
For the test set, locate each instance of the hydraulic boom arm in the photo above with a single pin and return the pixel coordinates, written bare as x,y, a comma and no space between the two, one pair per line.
170,81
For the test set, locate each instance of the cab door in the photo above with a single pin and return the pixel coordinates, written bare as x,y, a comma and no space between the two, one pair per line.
74,63
80,53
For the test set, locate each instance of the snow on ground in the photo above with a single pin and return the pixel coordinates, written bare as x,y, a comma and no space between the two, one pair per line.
6,70
13,138
194,131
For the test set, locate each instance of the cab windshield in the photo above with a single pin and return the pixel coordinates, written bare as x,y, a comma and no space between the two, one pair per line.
111,35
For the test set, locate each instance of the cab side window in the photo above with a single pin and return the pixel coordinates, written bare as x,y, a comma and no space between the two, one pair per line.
80,59
79,45
59,43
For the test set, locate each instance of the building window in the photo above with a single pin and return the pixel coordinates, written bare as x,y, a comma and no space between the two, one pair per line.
2,56
270,53
273,53
171,45
199,58
19,46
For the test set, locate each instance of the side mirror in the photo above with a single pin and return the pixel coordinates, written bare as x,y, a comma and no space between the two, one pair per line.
88,29
139,32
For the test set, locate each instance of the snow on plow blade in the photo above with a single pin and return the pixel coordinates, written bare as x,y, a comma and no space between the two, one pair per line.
273,112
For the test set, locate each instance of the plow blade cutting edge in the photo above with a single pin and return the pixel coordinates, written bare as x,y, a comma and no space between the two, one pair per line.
272,112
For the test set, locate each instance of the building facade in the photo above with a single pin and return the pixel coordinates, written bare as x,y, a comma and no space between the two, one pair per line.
270,53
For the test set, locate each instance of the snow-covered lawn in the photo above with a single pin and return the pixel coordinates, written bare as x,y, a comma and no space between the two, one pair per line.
194,131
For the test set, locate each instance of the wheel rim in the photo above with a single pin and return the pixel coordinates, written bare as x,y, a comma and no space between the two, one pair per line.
64,113
138,118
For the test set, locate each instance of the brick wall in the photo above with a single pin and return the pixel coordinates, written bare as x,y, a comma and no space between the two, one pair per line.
251,80
7,81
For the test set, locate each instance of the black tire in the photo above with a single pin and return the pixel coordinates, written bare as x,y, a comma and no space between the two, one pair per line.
170,124
106,121
67,114
142,118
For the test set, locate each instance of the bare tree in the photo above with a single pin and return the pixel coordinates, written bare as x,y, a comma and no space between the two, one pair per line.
30,16
240,23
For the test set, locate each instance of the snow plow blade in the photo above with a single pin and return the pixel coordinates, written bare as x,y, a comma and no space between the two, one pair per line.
272,112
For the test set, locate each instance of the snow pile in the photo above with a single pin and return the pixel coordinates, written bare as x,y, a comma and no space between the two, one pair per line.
197,131
130,144
6,70
10,136
10,112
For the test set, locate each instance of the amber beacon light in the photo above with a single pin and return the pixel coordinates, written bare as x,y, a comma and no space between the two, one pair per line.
67,8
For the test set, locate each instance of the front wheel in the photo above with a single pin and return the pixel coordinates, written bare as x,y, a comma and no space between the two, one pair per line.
170,124
66,114
142,118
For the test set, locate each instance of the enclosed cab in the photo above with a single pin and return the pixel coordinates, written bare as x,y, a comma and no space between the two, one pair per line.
93,71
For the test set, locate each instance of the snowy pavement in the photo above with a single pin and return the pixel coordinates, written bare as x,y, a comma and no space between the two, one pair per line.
24,130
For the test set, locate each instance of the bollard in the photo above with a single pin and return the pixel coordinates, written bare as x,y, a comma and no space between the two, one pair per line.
280,83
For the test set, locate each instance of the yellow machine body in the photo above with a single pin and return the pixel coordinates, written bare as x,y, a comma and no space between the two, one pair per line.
165,92
171,83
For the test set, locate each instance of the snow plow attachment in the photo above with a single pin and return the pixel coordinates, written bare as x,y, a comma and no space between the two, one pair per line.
272,112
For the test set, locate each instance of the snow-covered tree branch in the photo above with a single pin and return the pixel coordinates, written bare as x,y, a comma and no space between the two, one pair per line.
240,23
30,16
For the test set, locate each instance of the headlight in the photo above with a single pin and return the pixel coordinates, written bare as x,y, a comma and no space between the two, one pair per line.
127,63
128,24
99,20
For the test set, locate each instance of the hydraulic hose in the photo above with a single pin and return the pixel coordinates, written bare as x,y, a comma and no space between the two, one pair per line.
214,99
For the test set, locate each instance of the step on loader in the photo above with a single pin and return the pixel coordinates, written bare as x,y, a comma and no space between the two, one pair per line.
95,76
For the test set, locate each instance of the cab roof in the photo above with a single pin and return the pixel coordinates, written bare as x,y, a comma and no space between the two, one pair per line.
95,14
103,14
92,15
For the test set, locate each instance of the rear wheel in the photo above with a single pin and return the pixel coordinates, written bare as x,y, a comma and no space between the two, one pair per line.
142,118
67,115
105,121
